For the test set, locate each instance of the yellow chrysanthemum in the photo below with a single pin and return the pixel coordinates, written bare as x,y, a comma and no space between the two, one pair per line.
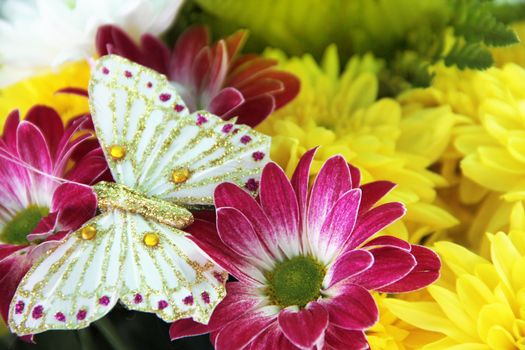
42,89
477,303
341,113
489,144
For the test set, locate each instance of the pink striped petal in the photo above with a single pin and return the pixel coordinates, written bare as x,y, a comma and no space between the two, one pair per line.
205,236
236,232
351,307
388,241
271,338
242,331
75,205
300,179
424,273
373,192
225,101
348,265
338,225
304,328
331,183
186,49
10,127
49,122
253,111
355,175
279,202
32,147
156,53
390,265
338,338
186,327
230,195
374,221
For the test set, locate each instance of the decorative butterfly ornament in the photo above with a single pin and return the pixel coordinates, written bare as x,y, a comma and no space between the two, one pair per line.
164,161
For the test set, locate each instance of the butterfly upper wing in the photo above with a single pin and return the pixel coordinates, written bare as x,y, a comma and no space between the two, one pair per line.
81,280
73,284
173,278
137,108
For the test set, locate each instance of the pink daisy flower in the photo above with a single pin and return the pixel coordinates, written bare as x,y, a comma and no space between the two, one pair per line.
42,167
305,260
215,78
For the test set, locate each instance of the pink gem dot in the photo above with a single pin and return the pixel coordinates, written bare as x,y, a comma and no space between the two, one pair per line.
227,128
245,139
60,317
137,299
164,97
19,307
257,156
128,74
38,312
178,108
252,185
188,300
105,70
149,84
205,297
104,300
162,304
201,119
218,276
81,315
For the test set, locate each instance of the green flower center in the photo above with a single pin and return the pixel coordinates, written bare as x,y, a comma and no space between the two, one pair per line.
22,224
296,281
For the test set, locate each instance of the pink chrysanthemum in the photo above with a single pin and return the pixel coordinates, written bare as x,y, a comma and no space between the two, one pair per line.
304,260
42,167
215,78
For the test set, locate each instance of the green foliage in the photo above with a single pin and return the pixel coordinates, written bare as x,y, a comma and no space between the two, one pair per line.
409,35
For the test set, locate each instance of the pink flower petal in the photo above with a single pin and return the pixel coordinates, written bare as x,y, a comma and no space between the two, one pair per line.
50,123
253,111
10,127
237,233
374,221
73,91
279,202
355,174
373,192
186,327
351,307
348,265
304,328
75,205
111,39
225,101
339,338
89,169
241,332
205,236
157,54
230,195
272,338
331,183
262,87
32,147
338,225
390,265
218,71
424,273
300,179
389,241
189,44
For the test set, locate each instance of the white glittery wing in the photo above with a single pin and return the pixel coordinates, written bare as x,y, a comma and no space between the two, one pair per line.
138,109
74,284
170,277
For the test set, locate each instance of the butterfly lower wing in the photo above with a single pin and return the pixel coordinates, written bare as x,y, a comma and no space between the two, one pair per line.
167,274
165,151
73,284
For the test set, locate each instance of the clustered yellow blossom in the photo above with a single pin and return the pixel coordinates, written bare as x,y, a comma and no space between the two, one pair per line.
342,114
42,89
478,303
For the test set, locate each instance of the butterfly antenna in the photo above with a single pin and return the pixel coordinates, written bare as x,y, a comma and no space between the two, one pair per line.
13,159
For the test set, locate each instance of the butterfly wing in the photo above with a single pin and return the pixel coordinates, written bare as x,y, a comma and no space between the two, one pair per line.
166,273
168,152
73,284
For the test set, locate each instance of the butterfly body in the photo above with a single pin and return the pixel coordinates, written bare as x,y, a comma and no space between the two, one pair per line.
164,160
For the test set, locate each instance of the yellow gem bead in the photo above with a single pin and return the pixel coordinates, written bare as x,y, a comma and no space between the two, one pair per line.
117,152
180,175
151,239
88,232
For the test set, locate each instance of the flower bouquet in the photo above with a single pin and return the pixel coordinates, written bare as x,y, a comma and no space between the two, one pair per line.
259,175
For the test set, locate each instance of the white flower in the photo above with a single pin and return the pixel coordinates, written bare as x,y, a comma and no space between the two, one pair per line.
38,34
